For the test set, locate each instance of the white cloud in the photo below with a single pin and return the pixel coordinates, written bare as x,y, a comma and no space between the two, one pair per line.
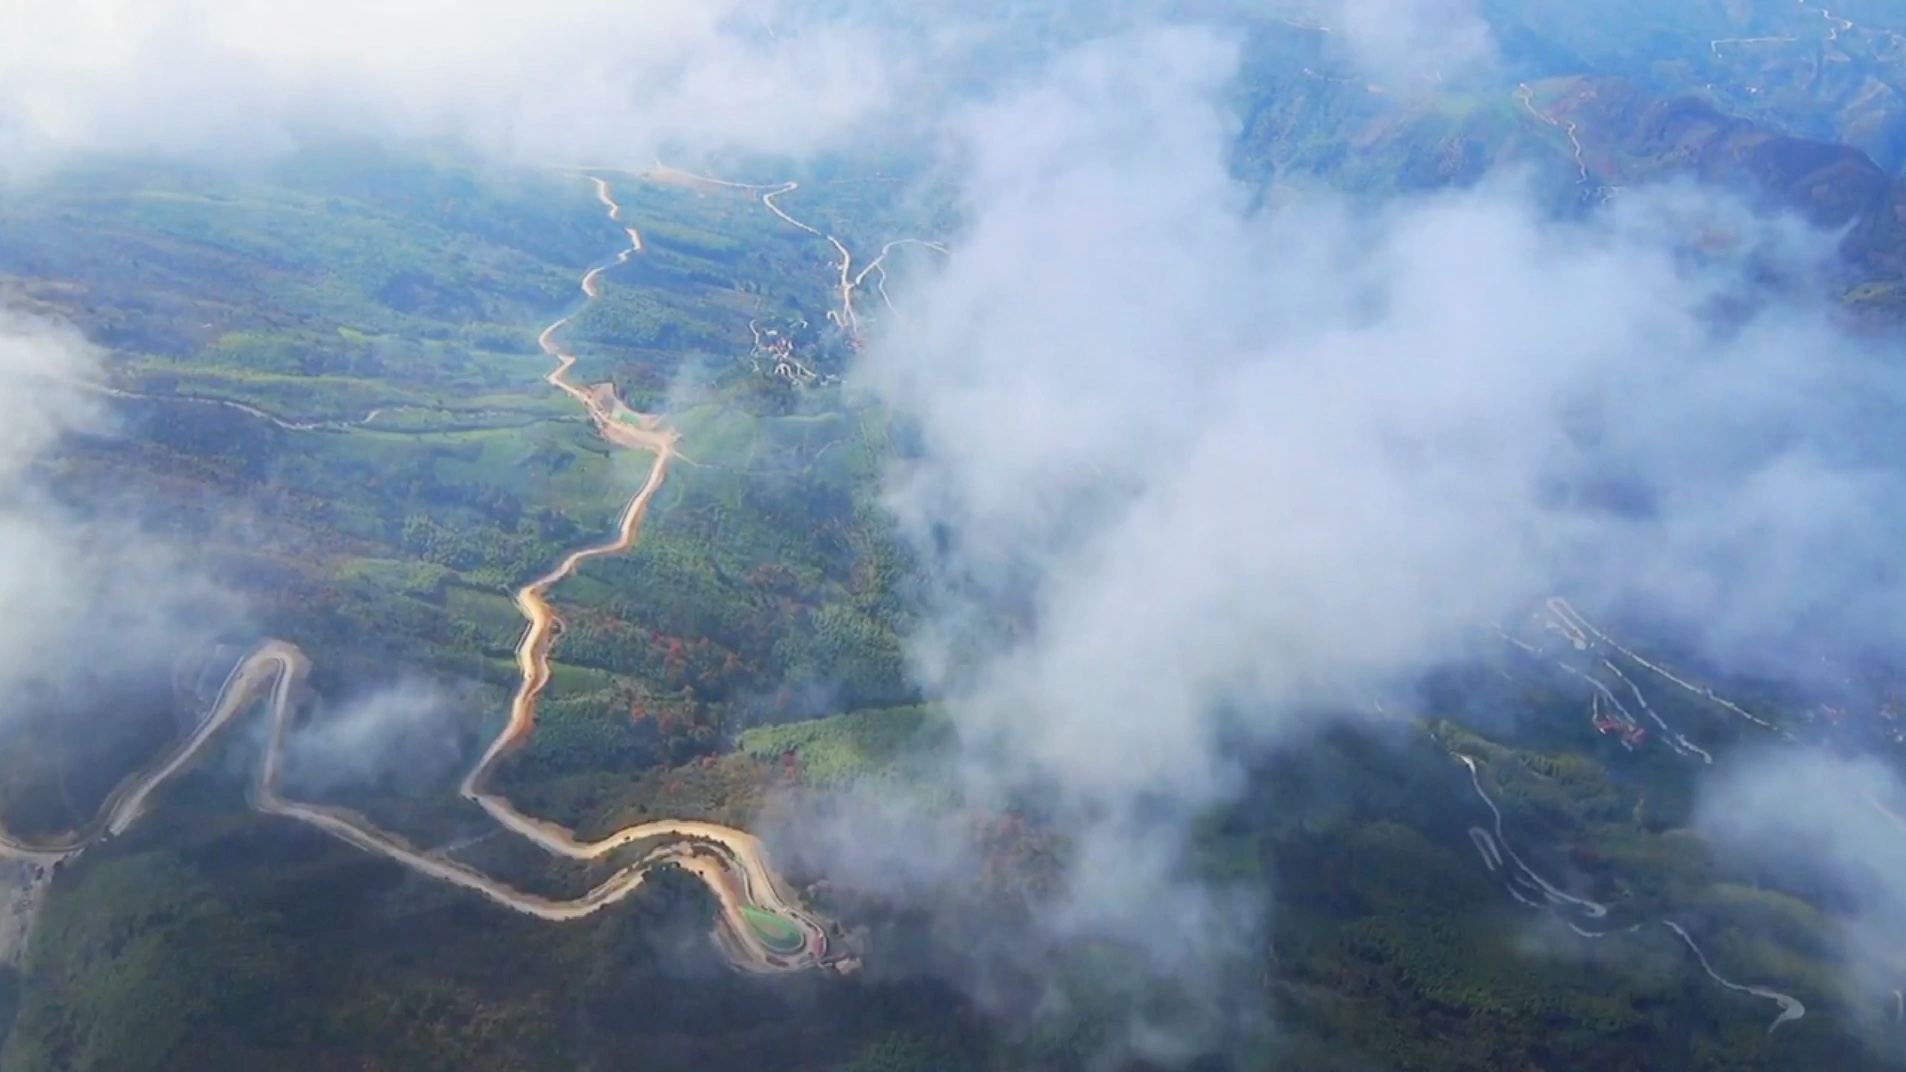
407,730
600,80
1393,40
1814,820
1237,469
73,585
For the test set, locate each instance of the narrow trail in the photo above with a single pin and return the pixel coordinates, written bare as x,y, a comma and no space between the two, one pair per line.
1835,24
1714,46
1527,97
224,403
761,926
1790,1006
465,421
1582,632
847,318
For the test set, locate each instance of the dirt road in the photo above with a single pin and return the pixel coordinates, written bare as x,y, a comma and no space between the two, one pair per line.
761,926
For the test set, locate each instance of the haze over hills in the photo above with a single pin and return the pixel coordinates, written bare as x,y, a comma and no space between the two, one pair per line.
1342,535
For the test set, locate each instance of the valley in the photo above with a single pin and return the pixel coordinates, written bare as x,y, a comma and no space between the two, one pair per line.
762,929
617,582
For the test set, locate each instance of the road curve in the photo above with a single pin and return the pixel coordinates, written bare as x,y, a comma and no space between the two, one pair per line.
847,318
1494,849
1526,96
1790,1007
762,927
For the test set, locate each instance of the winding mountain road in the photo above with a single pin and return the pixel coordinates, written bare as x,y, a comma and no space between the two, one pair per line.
1526,96
1585,638
1496,853
1836,25
1580,631
847,318
761,927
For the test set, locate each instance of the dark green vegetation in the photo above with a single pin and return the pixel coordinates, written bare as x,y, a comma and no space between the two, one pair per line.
1398,945
50,799
226,944
745,659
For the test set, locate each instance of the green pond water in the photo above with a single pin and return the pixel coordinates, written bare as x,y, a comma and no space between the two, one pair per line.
777,933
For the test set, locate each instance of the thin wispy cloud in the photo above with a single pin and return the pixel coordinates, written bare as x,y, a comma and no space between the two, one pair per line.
584,81
77,580
407,730
1811,820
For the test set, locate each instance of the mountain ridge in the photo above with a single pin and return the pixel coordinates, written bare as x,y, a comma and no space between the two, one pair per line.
1629,136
